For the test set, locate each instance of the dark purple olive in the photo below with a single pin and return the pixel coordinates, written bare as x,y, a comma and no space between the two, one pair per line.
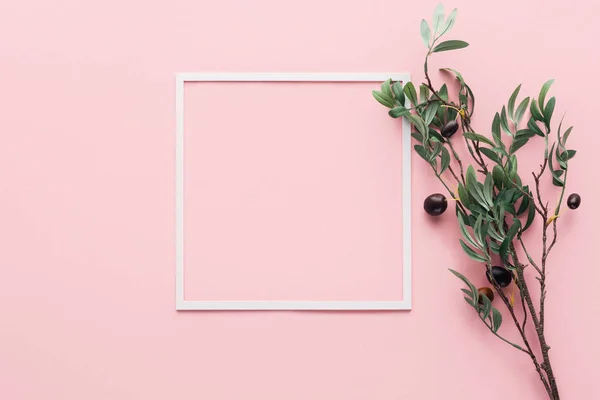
487,292
574,201
435,204
449,129
501,276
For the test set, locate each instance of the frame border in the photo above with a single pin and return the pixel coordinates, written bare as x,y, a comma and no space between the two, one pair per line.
182,304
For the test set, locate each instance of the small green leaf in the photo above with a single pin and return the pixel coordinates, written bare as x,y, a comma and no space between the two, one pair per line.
465,232
566,136
437,148
417,136
491,154
532,126
399,93
450,22
418,122
422,152
475,293
504,122
512,167
549,110
530,216
472,253
543,92
496,129
430,112
485,308
383,99
399,111
445,163
488,189
438,18
450,45
463,195
498,175
443,93
477,137
524,206
496,319
521,110
511,103
535,111
411,93
510,235
517,144
425,33
424,91
386,88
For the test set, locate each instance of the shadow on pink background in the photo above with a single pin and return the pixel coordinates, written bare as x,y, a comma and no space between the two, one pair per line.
87,205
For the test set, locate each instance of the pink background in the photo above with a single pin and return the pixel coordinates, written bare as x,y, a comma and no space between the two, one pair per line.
86,209
295,194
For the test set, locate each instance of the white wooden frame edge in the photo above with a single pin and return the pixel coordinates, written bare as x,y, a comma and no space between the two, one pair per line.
182,304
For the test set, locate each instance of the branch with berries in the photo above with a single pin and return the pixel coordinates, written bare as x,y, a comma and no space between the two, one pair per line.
494,206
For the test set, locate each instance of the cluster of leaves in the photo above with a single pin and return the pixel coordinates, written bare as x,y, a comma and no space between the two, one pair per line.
496,210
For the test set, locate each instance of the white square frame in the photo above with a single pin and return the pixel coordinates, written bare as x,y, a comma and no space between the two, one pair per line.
182,304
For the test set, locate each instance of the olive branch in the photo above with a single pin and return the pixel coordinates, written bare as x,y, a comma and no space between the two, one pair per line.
494,207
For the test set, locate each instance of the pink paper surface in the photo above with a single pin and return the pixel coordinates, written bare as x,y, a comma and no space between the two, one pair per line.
87,205
292,192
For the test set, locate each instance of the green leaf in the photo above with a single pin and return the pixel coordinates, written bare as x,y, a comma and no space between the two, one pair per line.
504,122
510,235
555,174
517,144
438,18
524,206
549,110
521,110
530,216
511,103
477,137
475,293
443,92
450,22
543,92
445,160
383,99
463,195
535,111
458,75
472,253
465,232
512,167
430,112
399,111
498,175
496,129
418,122
435,135
450,45
425,33
488,189
566,136
422,152
491,154
485,308
387,89
398,91
437,148
417,136
496,319
411,93
532,126
424,91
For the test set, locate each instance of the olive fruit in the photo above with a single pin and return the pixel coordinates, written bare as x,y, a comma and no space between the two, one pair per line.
449,129
500,275
487,292
435,204
574,201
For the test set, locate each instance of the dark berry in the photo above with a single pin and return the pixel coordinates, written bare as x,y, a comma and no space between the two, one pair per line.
500,275
449,129
487,292
435,204
574,201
